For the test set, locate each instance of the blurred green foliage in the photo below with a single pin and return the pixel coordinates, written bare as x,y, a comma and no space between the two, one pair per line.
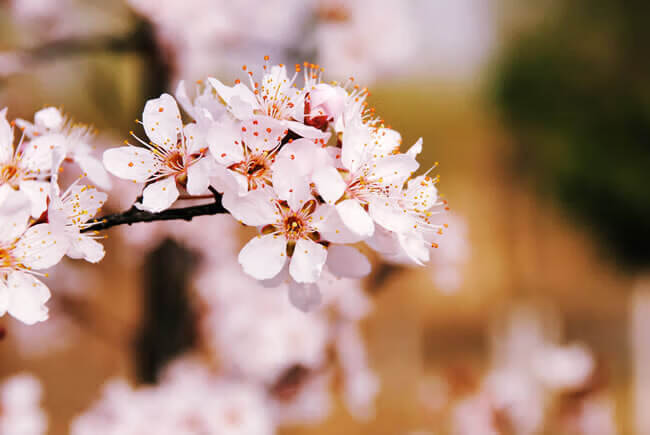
576,93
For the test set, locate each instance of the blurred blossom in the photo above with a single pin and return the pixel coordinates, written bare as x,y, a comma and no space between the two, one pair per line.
457,37
189,400
474,416
453,254
20,411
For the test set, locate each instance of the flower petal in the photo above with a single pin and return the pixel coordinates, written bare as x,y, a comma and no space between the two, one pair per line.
329,183
198,177
94,170
85,247
40,247
160,195
225,143
162,121
355,217
255,208
394,169
390,215
305,297
15,209
347,262
415,149
262,133
263,256
27,298
49,118
6,138
307,261
239,98
130,163
37,192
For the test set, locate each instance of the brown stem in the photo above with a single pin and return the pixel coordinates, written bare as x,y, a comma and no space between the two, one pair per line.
134,215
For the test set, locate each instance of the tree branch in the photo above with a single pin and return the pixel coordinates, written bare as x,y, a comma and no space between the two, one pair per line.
134,215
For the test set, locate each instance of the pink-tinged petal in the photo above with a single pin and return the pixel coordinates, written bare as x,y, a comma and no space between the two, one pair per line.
347,262
394,168
94,170
355,218
289,184
5,298
160,195
15,210
415,247
307,131
239,98
390,215
41,247
87,200
162,121
262,133
384,241
305,297
225,143
386,141
37,192
49,118
328,223
82,246
6,138
130,163
183,99
27,298
307,261
329,183
263,256
254,208
357,139
195,138
198,177
415,149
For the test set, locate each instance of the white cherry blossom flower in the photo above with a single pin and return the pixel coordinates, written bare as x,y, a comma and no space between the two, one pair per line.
20,409
26,167
275,96
174,156
68,215
23,251
73,139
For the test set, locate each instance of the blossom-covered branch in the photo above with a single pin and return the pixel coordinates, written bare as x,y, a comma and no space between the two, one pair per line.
135,215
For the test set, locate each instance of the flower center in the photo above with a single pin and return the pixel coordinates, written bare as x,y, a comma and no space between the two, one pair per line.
174,161
6,259
8,173
255,168
294,227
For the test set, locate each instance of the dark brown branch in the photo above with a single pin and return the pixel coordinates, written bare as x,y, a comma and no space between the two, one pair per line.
134,215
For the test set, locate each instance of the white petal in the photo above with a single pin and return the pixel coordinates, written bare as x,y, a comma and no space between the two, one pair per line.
225,143
198,177
130,163
394,168
183,99
307,131
160,195
15,209
289,184
85,247
355,217
27,298
37,153
49,118
348,262
262,133
5,298
37,192
162,121
6,138
239,98
305,297
329,183
195,138
307,261
40,247
390,215
356,139
263,256
255,208
415,149
415,247
328,223
94,170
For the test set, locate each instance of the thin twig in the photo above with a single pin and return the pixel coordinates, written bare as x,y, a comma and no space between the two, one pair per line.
135,215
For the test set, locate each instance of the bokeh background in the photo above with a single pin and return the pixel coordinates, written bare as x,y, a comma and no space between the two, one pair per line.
539,116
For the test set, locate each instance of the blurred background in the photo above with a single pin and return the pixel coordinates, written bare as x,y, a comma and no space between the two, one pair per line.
534,315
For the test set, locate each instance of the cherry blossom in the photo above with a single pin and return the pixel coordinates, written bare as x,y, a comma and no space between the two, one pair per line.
20,410
173,157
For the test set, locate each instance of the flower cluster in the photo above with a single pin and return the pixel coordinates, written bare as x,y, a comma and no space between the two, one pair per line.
310,166
40,223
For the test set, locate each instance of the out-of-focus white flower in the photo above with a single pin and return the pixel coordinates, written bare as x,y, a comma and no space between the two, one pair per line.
564,367
175,155
27,166
20,411
73,141
474,416
190,401
68,215
23,251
